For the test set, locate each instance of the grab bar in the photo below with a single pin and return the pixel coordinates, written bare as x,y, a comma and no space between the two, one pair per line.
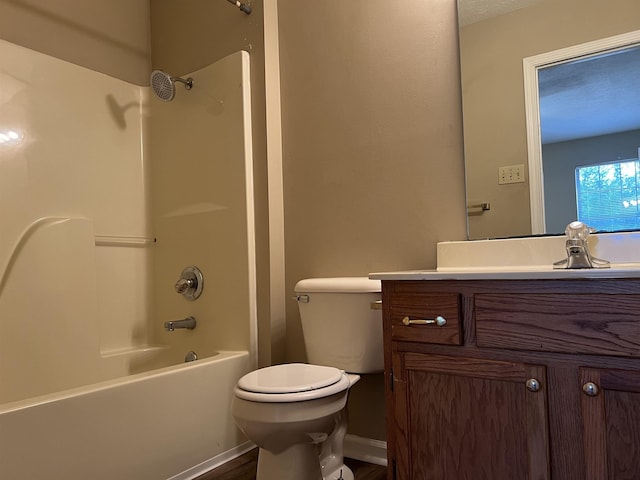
115,241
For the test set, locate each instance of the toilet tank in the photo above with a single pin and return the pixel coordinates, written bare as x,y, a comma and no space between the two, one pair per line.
342,322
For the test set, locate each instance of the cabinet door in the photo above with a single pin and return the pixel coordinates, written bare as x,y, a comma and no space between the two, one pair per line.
611,420
460,418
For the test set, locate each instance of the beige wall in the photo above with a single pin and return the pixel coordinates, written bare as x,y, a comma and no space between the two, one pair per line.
111,37
373,167
492,84
372,141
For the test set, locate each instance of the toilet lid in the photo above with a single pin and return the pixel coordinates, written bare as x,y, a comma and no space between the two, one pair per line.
289,378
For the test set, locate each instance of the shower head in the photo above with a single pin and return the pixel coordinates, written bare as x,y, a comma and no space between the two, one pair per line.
164,85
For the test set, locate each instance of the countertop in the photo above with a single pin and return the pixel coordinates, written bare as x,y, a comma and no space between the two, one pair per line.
631,270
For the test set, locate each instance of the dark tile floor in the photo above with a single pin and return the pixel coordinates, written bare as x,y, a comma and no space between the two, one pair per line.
244,468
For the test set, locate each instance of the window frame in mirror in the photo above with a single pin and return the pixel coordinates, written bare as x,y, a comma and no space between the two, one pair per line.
531,66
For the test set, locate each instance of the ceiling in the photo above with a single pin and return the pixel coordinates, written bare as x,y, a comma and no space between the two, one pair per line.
472,11
595,96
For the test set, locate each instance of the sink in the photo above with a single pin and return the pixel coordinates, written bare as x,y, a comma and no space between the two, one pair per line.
534,252
527,258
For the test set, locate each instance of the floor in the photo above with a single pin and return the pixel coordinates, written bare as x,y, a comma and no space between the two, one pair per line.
244,468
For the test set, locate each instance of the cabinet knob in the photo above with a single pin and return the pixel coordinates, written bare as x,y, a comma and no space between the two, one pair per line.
438,321
590,389
533,385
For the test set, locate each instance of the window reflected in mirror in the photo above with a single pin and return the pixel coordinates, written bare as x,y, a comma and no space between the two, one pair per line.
608,195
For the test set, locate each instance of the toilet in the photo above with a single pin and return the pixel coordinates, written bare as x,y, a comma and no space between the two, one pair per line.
297,413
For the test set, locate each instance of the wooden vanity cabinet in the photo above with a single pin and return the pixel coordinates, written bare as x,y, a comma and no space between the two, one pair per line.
525,379
468,416
611,423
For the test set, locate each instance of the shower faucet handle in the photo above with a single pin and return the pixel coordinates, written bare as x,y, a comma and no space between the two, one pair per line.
184,284
190,283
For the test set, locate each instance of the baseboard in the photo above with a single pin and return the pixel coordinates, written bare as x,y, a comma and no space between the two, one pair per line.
366,449
359,448
214,462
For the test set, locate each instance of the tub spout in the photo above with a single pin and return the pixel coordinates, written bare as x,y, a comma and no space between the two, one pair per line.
189,322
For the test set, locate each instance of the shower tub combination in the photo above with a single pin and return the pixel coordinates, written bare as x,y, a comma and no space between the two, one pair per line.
91,384
168,423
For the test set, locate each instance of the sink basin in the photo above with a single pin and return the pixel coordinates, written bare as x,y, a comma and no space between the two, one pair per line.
527,258
541,252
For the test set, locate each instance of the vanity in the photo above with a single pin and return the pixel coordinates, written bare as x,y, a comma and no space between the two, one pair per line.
512,372
497,365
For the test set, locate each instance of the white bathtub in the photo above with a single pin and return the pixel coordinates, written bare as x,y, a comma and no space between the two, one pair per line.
173,422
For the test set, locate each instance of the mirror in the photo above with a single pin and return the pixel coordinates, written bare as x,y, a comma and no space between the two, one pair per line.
495,39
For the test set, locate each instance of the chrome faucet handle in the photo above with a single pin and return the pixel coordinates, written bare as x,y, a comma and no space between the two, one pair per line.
190,283
184,284
578,231
578,255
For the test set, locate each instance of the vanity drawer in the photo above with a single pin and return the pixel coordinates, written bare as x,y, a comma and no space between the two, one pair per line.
415,318
601,324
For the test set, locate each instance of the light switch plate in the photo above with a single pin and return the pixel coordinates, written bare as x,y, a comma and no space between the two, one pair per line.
511,174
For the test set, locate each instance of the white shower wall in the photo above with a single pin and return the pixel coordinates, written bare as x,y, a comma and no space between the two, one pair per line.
202,208
78,258
79,157
88,375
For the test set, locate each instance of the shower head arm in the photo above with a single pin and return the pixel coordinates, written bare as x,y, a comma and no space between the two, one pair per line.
242,6
188,83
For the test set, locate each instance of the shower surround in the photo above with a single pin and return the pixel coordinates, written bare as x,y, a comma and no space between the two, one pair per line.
107,194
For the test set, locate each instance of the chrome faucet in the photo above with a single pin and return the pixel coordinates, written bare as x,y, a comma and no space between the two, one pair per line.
578,255
189,323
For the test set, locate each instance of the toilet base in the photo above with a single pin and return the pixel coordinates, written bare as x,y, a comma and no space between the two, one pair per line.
295,463
298,461
342,473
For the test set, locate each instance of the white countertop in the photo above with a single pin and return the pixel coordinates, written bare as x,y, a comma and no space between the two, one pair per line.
631,270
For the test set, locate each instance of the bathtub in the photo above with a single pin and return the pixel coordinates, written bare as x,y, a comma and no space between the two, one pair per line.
170,423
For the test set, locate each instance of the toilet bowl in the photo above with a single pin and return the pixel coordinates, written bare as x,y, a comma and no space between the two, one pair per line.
291,411
297,413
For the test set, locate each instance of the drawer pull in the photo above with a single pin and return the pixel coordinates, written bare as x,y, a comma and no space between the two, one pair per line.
438,321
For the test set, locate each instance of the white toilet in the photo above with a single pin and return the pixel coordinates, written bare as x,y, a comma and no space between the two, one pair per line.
296,413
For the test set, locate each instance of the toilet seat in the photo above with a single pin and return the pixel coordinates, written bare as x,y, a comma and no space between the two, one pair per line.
293,382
